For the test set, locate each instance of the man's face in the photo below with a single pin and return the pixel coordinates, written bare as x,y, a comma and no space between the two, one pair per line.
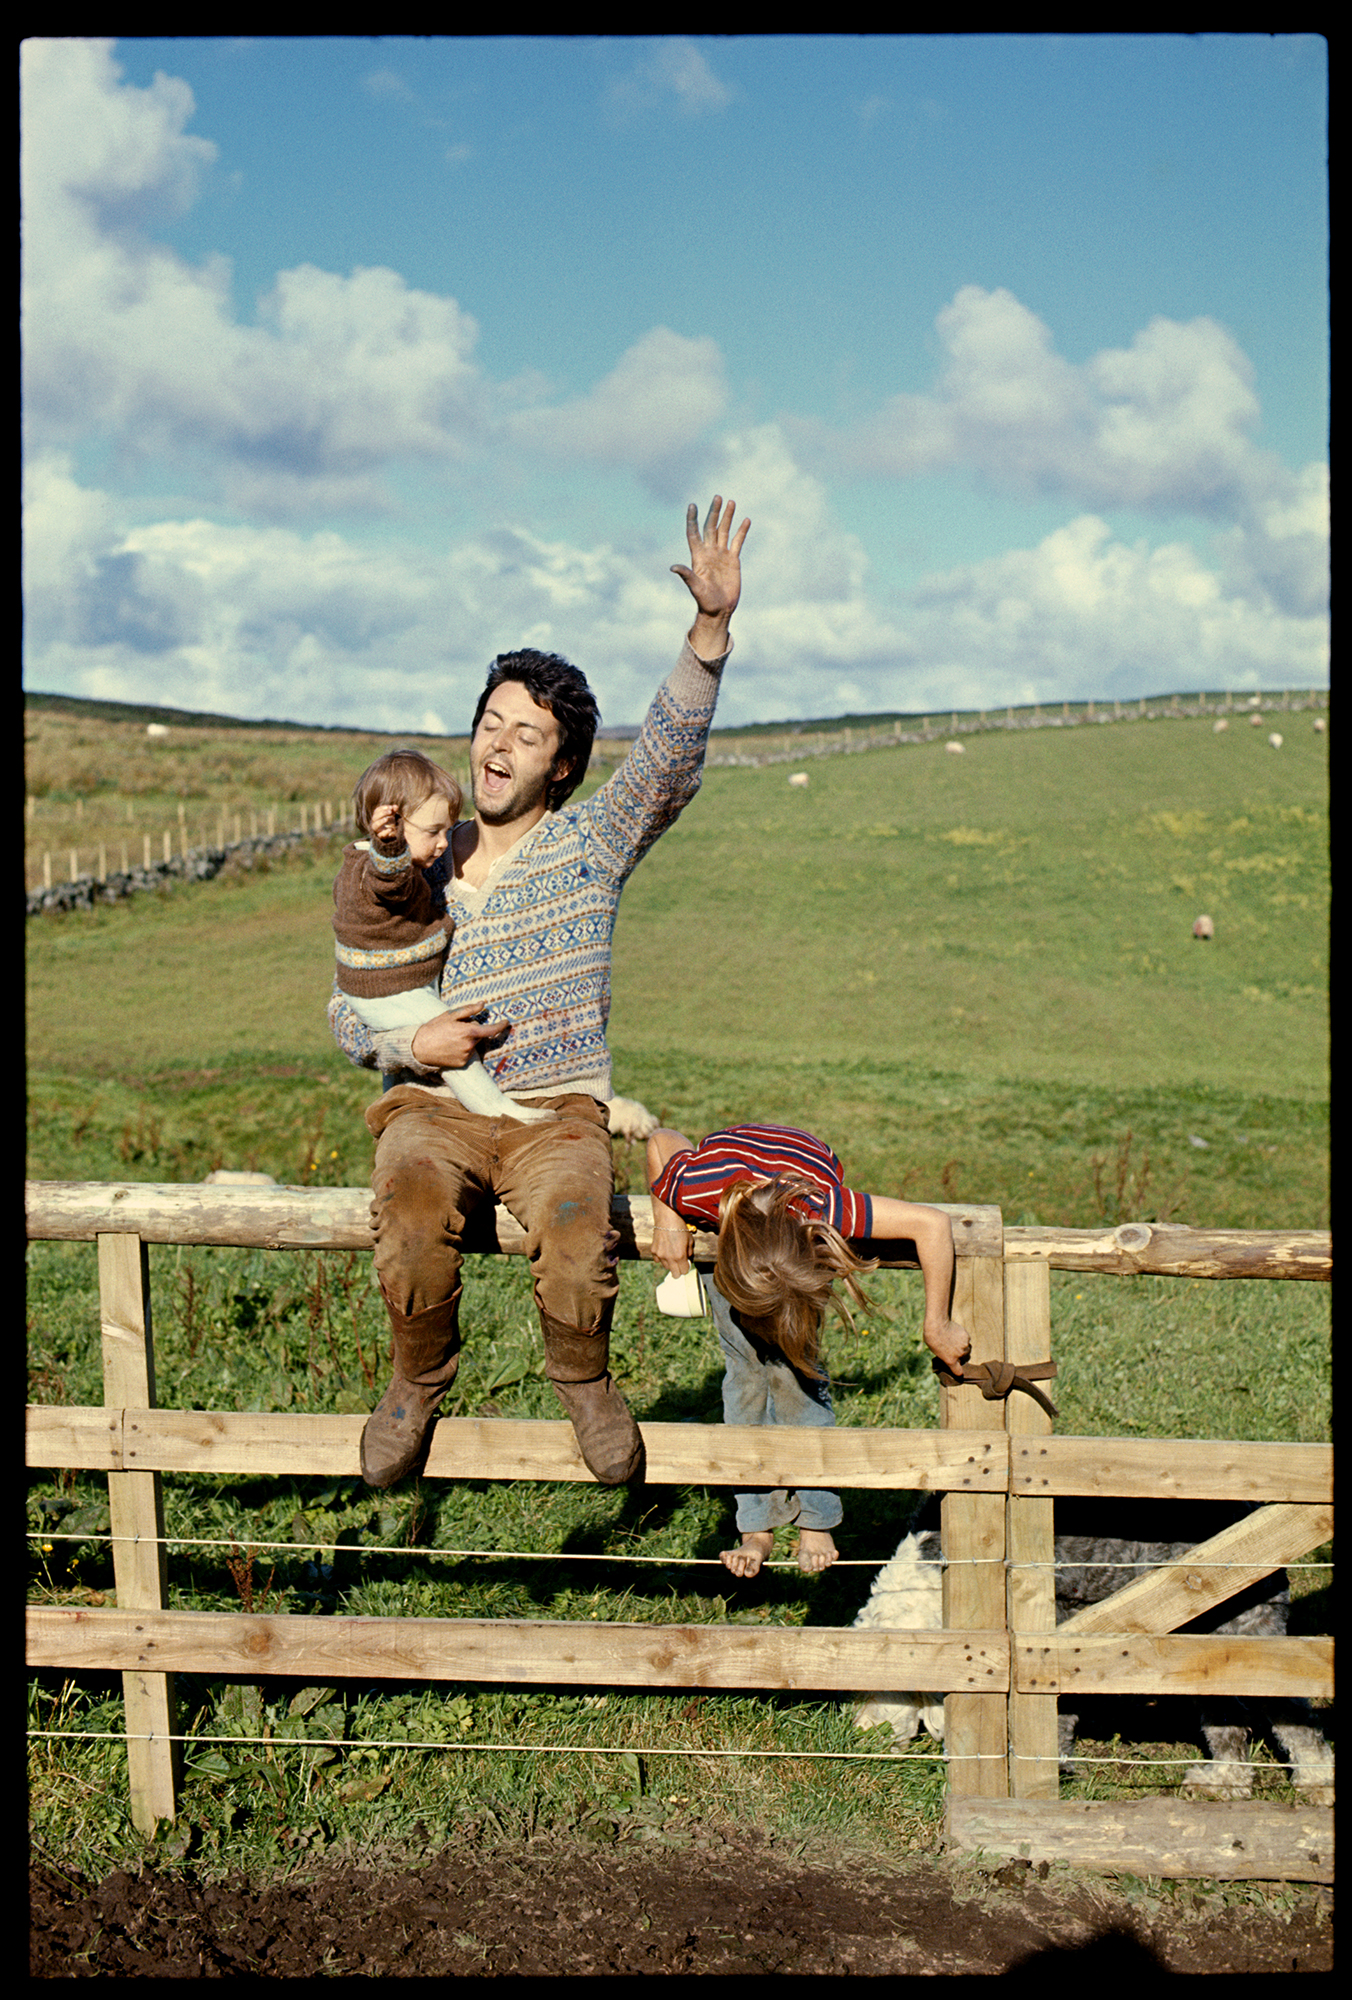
512,755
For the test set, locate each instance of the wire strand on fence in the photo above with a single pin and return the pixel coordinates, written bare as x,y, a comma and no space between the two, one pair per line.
579,1555
401,1549
509,1749
625,1749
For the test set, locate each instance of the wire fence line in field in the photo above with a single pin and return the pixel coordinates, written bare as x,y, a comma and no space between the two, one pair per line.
193,864
174,852
793,746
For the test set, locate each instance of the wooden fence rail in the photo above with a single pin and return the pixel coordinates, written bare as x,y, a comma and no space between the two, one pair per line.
1001,1659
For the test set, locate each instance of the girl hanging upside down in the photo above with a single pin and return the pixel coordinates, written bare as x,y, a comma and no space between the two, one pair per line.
785,1220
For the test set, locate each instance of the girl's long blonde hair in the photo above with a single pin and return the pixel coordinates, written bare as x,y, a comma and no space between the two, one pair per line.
777,1267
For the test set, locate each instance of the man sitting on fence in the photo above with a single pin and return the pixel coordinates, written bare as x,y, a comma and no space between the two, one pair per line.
535,889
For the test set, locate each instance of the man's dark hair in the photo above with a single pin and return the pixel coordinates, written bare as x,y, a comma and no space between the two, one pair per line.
553,684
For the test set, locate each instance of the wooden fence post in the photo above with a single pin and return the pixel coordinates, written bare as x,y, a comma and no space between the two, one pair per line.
136,1511
1033,1750
976,1726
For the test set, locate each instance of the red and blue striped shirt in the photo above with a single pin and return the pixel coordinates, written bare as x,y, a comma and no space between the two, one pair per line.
693,1181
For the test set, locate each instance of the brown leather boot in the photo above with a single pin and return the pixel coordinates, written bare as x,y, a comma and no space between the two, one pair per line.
426,1357
575,1362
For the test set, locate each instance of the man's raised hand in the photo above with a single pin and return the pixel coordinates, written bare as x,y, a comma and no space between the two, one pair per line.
714,574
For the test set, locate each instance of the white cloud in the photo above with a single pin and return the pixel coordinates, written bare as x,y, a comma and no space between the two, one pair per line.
650,414
1082,615
673,69
118,153
1162,424
1279,552
340,376
262,620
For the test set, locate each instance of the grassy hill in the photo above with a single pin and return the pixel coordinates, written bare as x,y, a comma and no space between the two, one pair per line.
975,975
972,972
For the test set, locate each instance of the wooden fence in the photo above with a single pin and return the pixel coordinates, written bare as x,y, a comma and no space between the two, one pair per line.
86,850
1001,1659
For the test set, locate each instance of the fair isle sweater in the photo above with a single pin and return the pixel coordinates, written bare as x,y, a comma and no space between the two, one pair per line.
533,946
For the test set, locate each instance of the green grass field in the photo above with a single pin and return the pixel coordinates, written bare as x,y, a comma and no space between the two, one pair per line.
975,976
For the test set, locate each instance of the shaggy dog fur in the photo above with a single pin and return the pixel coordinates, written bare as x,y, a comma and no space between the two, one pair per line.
907,1595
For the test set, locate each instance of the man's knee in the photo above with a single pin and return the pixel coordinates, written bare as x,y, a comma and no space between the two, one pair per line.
576,1265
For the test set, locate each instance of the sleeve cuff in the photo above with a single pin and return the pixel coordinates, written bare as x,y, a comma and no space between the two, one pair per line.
394,1051
694,682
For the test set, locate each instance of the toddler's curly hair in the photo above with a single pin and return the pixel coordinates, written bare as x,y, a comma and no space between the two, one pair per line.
777,1266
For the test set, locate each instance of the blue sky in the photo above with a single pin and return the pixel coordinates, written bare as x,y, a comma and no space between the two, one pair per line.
350,362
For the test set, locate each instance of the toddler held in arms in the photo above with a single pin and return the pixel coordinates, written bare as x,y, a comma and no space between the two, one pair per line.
391,928
785,1219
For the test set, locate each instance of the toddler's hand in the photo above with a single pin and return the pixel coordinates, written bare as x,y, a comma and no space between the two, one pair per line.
384,822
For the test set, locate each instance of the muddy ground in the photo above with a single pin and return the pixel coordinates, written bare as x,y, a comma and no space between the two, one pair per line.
703,1900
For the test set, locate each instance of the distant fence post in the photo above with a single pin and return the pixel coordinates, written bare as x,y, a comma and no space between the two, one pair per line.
976,1726
136,1513
1033,1747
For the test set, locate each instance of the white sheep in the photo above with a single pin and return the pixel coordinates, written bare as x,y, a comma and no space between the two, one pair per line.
1218,725
1275,739
1203,928
955,749
799,778
1318,725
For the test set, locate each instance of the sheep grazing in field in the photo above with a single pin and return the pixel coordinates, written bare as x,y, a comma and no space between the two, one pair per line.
955,749
1203,928
1218,725
157,729
1318,725
1255,721
800,778
1275,740
1091,1564
628,1119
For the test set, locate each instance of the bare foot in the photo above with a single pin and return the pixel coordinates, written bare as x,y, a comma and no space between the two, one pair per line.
756,1548
816,1550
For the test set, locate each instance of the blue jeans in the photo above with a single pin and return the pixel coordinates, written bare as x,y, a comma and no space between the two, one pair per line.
760,1387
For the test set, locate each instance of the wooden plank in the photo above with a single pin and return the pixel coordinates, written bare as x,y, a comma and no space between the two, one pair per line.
976,1726
513,1651
245,1441
1172,1468
1180,1838
78,1438
1178,1592
291,1218
1174,1663
136,1521
339,1219
1170,1250
1034,1768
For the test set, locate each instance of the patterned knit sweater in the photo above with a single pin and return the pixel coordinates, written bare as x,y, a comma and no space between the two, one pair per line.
535,947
